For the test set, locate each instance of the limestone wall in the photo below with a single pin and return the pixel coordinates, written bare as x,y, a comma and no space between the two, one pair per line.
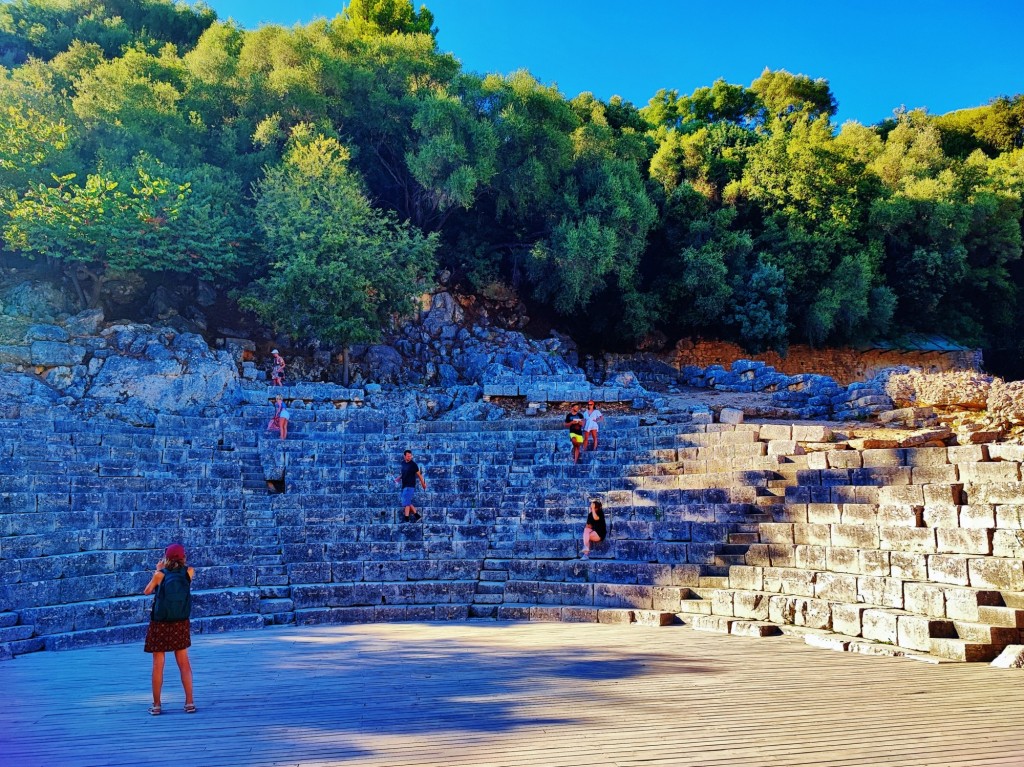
845,365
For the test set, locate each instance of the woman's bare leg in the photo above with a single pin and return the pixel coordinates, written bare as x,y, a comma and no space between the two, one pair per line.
158,676
185,669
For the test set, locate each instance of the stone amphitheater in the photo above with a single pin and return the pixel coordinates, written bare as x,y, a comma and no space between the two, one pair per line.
873,529
745,528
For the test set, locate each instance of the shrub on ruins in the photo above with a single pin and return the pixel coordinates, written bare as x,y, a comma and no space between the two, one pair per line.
147,218
337,268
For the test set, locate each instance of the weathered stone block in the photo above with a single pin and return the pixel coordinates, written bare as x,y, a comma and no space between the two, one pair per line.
1002,471
996,492
879,590
781,609
771,532
993,573
844,459
817,461
815,535
807,433
859,514
916,632
924,599
909,539
813,613
943,568
836,587
978,516
961,541
881,457
846,619
909,565
842,560
751,606
880,625
945,516
934,475
1011,657
944,494
824,513
782,554
775,431
874,562
743,577
1008,543
1004,452
968,453
810,557
855,536
909,495
1010,517
730,415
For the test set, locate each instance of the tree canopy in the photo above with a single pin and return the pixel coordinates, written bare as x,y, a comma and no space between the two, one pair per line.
350,157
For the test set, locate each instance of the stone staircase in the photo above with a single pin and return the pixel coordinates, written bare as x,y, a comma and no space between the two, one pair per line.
884,551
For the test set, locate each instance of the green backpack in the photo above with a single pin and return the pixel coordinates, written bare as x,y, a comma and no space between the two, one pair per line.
173,600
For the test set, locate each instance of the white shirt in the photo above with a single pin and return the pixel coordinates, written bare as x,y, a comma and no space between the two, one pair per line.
590,419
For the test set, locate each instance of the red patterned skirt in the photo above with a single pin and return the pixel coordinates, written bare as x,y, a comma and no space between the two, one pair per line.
164,636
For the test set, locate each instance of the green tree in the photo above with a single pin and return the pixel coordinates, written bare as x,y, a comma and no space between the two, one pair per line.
146,218
338,269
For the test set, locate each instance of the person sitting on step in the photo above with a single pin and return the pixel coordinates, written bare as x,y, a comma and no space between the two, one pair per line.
596,530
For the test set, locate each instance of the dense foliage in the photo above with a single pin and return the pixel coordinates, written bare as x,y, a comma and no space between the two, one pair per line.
330,168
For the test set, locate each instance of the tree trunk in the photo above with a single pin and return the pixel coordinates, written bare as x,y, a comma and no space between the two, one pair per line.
344,365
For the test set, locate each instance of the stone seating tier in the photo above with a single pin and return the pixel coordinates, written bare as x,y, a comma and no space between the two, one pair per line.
695,511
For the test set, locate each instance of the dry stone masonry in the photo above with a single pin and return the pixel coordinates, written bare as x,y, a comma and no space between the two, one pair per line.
906,538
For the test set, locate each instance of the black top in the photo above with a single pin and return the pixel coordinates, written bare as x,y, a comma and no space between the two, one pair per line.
597,523
409,472
575,423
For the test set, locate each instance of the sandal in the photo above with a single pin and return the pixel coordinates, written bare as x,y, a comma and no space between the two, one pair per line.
154,710
190,708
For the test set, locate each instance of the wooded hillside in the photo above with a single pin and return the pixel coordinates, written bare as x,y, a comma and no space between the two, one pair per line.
335,166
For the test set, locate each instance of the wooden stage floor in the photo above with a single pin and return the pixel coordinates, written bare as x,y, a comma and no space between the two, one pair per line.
516,695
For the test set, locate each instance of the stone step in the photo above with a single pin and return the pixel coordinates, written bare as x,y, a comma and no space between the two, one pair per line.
15,633
271,606
695,606
487,599
754,628
981,633
581,614
132,633
8,619
490,587
717,624
1014,599
483,612
1011,617
963,650
494,575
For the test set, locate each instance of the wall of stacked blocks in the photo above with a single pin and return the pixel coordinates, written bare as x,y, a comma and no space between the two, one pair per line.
743,528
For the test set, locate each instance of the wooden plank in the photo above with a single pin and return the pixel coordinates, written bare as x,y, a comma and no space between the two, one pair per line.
515,695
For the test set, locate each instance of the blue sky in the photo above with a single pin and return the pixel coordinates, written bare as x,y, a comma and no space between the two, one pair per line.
877,55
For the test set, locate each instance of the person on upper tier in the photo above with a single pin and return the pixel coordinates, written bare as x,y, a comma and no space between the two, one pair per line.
169,628
592,417
277,372
574,422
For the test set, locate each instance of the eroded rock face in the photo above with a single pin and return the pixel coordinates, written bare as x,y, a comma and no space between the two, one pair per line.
162,370
446,347
960,389
36,300
1006,402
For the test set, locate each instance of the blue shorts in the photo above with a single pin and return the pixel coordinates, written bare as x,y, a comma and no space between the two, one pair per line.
407,495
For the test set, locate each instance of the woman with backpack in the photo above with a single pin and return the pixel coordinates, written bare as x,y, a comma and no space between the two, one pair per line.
168,626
